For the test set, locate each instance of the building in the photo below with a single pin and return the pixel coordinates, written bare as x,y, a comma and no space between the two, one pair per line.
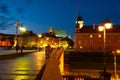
6,40
89,38
56,38
49,39
28,39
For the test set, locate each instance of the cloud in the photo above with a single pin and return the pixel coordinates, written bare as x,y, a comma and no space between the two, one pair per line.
4,9
6,22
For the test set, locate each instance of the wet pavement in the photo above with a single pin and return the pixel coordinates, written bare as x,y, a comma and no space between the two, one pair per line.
25,67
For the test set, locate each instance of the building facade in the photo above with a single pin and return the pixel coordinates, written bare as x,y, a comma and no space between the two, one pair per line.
89,38
6,40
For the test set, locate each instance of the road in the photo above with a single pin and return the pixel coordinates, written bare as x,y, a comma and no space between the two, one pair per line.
25,67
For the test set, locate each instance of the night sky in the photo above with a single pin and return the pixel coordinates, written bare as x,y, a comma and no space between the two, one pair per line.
39,15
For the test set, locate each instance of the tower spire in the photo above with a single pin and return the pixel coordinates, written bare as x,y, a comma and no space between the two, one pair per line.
79,21
50,30
79,18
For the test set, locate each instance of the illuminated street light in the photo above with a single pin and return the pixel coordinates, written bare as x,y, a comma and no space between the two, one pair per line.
115,62
39,35
106,24
22,29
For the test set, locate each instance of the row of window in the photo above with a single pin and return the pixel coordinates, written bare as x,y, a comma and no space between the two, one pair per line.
91,42
92,48
99,36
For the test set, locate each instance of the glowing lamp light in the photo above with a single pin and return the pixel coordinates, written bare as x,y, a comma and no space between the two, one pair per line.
22,28
108,25
118,51
39,35
101,28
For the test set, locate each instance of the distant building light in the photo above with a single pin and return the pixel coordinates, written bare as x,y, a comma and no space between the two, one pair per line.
39,35
91,36
99,36
47,38
80,47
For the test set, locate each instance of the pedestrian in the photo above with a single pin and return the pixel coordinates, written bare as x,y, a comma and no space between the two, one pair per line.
48,50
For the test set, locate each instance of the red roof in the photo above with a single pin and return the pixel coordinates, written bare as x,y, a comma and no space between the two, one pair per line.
94,29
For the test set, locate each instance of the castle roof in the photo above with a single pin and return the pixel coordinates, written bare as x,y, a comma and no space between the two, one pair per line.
60,33
94,29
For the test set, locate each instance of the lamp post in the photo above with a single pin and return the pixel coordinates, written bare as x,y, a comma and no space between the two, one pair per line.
16,36
106,24
115,62
22,29
39,35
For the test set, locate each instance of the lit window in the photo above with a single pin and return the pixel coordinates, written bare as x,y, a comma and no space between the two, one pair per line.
47,38
99,36
91,36
81,47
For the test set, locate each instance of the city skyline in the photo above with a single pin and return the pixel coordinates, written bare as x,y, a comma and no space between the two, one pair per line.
40,15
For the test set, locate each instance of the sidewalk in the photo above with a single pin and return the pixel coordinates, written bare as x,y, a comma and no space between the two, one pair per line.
13,51
9,54
19,66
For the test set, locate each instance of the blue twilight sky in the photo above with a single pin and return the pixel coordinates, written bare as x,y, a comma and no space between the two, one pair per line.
39,15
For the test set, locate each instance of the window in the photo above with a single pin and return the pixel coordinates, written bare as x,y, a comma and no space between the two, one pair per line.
108,36
80,47
100,48
80,42
115,36
99,35
91,36
85,42
91,42
91,48
118,42
108,42
100,42
108,48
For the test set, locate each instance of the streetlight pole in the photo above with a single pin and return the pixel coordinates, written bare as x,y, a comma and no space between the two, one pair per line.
104,50
106,24
22,28
115,62
16,25
115,66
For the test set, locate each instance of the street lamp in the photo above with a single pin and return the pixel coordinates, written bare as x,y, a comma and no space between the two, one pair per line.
39,35
22,29
16,36
106,24
115,62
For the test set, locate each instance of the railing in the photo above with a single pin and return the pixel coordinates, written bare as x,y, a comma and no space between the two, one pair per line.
54,65
54,68
72,77
77,77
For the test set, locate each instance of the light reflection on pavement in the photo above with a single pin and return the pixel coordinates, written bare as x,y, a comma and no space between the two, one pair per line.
26,67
